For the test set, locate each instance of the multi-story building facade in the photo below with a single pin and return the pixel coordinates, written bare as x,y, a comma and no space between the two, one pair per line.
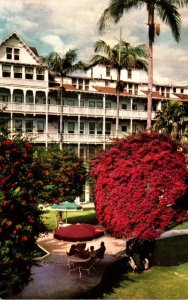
30,100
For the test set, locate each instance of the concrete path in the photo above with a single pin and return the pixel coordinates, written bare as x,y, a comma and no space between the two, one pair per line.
51,279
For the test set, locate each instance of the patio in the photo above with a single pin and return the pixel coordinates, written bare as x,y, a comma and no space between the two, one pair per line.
51,280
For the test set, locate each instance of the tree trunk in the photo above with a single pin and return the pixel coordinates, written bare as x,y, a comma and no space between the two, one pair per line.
151,34
117,105
61,115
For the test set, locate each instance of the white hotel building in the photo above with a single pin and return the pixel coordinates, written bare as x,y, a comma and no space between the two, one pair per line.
30,100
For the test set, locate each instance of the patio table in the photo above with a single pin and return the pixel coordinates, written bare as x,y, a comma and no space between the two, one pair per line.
76,263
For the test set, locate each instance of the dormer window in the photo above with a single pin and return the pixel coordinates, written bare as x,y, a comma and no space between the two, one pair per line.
12,53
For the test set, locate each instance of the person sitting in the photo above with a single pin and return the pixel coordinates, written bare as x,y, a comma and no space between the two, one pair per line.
92,252
73,250
100,251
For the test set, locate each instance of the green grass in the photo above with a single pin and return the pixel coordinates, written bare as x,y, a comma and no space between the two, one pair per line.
85,216
167,279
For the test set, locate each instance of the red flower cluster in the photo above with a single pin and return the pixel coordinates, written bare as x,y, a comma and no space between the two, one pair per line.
141,184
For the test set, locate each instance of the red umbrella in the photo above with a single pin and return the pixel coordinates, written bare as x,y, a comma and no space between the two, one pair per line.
78,232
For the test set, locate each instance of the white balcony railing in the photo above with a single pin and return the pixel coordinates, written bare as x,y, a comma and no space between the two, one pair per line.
75,111
24,82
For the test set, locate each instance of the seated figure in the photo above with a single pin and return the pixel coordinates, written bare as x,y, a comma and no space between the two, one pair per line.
100,251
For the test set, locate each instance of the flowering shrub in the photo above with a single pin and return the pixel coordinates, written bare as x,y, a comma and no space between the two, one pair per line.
24,182
141,184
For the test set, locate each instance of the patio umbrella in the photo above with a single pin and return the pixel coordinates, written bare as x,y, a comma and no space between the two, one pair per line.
66,206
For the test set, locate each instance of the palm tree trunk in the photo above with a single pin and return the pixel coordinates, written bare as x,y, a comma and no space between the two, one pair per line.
151,33
117,105
61,115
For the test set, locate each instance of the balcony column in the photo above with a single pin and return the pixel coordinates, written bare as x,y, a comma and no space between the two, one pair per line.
79,98
34,102
104,122
131,120
11,114
46,142
24,100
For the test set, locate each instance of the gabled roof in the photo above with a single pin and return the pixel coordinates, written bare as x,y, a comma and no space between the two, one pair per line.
32,51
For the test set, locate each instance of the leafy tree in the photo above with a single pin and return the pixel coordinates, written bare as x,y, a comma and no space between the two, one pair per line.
122,56
166,10
24,183
62,66
169,118
68,171
141,185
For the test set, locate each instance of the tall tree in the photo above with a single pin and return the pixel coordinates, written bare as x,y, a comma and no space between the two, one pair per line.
167,11
122,56
62,66
169,119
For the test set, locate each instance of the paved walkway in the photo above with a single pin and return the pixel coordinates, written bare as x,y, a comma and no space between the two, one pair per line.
51,279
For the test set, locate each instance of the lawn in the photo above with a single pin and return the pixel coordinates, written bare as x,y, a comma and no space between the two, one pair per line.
85,216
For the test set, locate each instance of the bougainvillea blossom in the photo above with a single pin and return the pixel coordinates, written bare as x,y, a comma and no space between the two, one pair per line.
141,184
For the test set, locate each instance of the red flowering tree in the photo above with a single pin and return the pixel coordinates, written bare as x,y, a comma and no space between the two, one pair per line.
141,184
24,183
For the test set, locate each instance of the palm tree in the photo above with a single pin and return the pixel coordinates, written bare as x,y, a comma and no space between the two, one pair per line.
122,56
62,66
169,119
167,10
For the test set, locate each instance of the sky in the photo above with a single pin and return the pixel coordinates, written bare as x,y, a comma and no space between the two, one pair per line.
60,25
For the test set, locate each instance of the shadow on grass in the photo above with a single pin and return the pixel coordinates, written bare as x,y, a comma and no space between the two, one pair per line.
112,278
171,251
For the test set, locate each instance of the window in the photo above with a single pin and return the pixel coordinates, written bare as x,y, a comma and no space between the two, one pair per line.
28,73
40,125
82,103
74,81
134,106
70,102
71,127
163,91
18,125
129,73
40,74
99,104
30,99
99,128
87,84
12,53
80,84
92,72
168,92
6,70
145,107
108,104
108,128
124,128
124,106
174,90
157,88
81,127
4,98
91,103
182,90
130,88
18,99
91,127
29,125
108,71
17,72
136,89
